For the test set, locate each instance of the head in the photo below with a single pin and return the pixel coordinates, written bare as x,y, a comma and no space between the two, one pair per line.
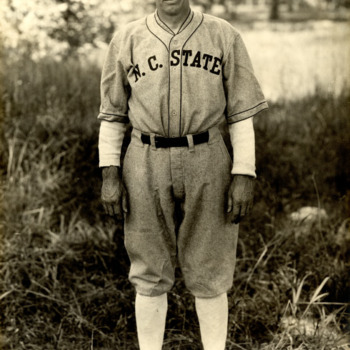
173,7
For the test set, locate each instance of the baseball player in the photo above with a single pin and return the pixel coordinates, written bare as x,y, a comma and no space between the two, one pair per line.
175,76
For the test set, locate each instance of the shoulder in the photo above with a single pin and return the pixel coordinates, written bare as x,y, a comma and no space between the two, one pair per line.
216,23
220,30
129,30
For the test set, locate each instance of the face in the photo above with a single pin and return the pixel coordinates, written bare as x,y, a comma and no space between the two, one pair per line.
172,7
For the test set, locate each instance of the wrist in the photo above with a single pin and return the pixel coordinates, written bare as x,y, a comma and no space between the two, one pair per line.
111,172
243,168
251,177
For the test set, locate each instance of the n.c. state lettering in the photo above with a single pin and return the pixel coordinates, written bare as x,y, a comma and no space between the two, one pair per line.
197,60
188,58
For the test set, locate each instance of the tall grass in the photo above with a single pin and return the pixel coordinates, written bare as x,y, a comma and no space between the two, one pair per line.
294,59
63,265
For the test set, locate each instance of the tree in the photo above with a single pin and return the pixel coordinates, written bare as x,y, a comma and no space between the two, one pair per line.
274,10
61,27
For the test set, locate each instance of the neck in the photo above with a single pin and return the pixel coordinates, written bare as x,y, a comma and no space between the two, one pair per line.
174,22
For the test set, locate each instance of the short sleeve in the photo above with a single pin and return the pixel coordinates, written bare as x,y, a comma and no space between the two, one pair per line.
115,89
244,97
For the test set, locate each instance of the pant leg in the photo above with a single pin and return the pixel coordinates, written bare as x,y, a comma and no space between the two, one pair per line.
149,225
207,239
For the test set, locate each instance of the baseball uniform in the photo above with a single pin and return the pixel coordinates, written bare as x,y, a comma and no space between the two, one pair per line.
175,89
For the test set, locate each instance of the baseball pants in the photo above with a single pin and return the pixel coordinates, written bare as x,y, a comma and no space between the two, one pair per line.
194,179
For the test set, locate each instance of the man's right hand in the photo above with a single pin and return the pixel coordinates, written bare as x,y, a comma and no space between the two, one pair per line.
113,193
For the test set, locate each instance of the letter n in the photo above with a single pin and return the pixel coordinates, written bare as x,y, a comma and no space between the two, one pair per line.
137,72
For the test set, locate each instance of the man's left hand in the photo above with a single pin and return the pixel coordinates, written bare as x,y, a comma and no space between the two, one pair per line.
240,197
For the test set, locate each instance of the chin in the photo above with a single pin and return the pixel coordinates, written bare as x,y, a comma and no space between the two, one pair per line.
172,6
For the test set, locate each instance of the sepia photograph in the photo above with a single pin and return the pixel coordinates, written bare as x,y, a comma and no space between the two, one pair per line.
175,175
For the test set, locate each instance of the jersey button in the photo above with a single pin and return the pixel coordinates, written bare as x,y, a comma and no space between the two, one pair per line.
175,42
173,113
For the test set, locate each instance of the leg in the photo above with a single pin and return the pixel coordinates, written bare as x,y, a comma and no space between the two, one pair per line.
150,320
213,316
149,238
207,238
149,225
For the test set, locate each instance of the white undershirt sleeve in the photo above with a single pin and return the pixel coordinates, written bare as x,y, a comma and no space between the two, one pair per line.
110,143
243,144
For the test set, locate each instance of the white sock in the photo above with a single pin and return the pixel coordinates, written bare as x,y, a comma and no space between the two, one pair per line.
213,317
150,320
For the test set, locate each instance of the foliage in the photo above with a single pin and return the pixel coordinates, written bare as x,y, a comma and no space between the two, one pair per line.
61,28
63,265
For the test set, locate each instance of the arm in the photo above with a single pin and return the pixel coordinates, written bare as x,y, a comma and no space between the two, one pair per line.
113,193
115,92
244,100
110,143
240,195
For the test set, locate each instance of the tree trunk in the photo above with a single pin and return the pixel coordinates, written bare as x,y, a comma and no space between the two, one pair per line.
274,12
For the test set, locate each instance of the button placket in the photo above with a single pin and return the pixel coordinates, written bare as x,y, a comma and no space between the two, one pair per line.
174,92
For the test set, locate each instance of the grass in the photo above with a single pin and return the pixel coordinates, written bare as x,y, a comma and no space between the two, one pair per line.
62,262
293,60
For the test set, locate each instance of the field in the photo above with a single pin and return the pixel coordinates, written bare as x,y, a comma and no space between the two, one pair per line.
295,59
62,262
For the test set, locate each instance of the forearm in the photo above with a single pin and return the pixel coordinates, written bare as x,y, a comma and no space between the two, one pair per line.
243,144
110,143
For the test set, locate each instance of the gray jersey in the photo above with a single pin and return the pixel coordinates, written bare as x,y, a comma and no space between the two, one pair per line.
177,84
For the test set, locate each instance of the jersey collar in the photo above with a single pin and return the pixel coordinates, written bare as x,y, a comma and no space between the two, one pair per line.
163,33
163,25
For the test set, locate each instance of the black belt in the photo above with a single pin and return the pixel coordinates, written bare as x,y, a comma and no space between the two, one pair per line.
166,142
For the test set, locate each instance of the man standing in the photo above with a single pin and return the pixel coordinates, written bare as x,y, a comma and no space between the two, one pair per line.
175,75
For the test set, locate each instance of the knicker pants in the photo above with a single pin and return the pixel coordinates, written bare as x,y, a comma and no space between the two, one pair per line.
204,242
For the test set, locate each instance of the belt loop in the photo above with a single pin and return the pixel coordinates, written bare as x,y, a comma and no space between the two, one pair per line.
190,142
153,141
214,132
136,134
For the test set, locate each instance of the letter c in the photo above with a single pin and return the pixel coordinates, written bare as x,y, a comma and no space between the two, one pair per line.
151,66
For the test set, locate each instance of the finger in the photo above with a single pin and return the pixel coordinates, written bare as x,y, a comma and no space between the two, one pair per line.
124,203
247,208
236,213
105,208
243,213
110,210
237,220
237,209
117,211
244,210
229,204
250,206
